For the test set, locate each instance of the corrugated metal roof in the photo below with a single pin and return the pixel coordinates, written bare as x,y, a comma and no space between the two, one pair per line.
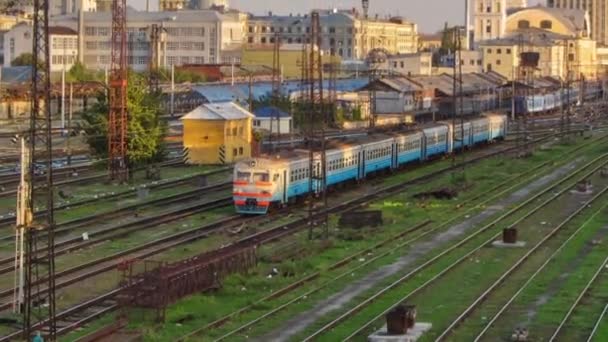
240,91
16,75
218,111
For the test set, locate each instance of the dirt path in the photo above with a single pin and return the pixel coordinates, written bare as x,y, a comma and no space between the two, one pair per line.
302,321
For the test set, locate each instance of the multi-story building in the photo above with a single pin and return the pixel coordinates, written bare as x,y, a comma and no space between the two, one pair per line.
63,47
490,17
190,37
343,33
559,36
420,63
104,5
7,22
598,14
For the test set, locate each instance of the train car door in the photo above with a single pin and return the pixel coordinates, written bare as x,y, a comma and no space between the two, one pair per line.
394,163
284,186
423,146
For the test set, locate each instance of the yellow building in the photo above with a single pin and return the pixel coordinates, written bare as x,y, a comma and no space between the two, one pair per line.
217,133
290,56
560,36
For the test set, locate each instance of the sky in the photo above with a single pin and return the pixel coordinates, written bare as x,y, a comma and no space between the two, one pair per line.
430,15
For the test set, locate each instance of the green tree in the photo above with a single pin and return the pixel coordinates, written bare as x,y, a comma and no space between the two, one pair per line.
146,130
78,73
24,59
447,40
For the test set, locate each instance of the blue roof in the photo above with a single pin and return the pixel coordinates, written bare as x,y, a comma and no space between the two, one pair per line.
267,112
240,91
17,74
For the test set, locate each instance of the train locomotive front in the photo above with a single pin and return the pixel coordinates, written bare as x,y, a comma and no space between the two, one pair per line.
254,186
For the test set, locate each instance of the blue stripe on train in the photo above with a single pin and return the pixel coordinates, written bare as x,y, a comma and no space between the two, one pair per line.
378,164
479,137
408,156
297,188
342,175
435,149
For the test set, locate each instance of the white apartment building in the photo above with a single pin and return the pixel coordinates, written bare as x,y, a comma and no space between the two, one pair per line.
188,37
63,45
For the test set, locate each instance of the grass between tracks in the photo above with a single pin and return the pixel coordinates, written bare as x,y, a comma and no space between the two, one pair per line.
399,212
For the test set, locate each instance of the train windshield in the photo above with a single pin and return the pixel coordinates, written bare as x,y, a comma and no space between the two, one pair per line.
243,176
261,177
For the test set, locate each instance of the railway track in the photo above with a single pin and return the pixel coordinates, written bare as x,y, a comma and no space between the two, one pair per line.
488,229
497,191
108,263
9,220
125,229
67,179
493,320
599,273
557,229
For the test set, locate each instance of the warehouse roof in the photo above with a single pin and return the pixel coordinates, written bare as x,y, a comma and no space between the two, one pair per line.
218,111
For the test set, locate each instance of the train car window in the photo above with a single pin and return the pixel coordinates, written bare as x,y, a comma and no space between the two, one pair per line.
243,176
261,177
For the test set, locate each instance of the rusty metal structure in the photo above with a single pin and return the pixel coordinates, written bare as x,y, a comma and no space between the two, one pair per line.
154,285
36,270
117,119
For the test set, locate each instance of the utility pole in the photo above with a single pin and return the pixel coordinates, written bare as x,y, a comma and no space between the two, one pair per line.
276,85
172,90
118,117
35,239
70,113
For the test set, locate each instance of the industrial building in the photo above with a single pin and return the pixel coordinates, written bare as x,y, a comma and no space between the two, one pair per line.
217,133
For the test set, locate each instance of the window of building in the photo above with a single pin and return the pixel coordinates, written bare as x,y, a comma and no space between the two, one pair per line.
172,60
523,24
250,29
499,51
234,131
240,151
240,130
263,40
263,29
489,51
184,60
489,67
488,26
250,40
402,64
546,24
508,51
571,57
234,152
498,62
173,46
332,29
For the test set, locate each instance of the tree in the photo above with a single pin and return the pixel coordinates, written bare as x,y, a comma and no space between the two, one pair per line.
146,130
24,59
78,73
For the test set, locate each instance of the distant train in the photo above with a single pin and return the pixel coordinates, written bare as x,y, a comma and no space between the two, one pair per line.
260,183
553,101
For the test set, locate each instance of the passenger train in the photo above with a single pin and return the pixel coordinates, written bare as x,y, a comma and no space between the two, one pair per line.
260,183
553,101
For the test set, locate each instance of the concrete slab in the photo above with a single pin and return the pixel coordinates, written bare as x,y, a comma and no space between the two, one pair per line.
501,244
412,334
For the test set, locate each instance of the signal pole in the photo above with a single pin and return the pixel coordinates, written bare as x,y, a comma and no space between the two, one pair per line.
35,239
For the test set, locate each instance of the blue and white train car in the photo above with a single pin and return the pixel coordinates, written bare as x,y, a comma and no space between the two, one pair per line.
498,126
435,140
342,164
377,155
408,148
481,130
456,137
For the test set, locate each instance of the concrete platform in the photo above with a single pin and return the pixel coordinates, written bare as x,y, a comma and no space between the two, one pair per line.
500,244
411,336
